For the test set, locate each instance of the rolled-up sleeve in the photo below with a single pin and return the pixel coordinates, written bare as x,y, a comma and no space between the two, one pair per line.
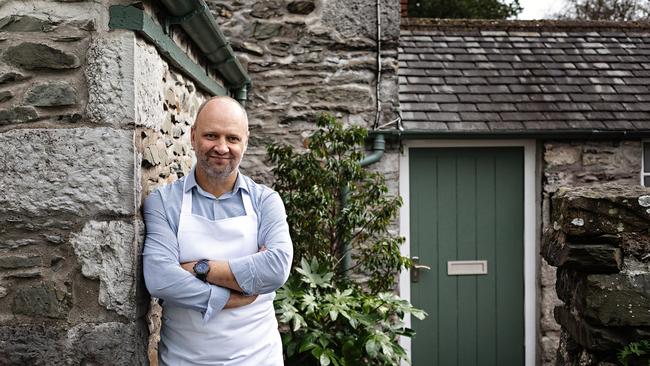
266,271
163,275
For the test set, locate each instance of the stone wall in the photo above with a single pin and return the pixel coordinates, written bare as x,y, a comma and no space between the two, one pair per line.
306,57
600,243
571,164
90,122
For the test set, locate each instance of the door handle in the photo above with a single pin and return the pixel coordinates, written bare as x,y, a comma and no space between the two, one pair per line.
416,267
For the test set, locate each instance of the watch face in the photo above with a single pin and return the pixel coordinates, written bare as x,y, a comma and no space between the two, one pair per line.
201,268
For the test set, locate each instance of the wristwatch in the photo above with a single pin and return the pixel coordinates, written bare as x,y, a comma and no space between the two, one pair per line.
201,269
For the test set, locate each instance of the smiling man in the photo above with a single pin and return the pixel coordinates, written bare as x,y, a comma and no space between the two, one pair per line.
216,249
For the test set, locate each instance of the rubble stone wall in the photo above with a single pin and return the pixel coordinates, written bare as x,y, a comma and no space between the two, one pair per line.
575,164
306,57
91,120
599,240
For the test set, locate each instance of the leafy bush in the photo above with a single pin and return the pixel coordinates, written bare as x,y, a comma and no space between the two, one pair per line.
633,353
335,208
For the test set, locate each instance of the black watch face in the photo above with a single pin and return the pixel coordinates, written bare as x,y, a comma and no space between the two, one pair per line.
202,268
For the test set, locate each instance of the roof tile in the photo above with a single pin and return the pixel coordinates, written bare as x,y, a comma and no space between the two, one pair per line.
495,80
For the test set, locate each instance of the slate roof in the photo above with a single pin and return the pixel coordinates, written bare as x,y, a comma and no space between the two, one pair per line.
525,77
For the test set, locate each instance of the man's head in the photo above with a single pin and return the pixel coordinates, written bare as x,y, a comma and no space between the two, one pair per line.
219,137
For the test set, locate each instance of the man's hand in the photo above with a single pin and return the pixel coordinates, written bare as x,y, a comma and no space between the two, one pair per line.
237,299
220,273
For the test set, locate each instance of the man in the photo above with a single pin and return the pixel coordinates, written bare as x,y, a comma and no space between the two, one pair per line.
217,247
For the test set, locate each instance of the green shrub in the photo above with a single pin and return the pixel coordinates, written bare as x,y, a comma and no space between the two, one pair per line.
634,352
326,317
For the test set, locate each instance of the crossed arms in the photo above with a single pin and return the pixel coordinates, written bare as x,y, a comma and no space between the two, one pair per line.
230,283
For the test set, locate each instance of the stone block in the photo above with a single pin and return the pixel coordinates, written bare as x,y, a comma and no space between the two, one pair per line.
17,23
111,100
148,73
39,300
301,7
5,95
77,172
561,155
11,76
17,114
20,261
106,251
614,300
593,338
30,55
600,209
110,343
53,94
336,15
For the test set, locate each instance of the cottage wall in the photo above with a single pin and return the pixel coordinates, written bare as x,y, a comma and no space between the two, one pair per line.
308,57
91,120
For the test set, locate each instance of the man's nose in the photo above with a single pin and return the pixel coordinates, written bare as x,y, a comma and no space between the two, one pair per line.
221,146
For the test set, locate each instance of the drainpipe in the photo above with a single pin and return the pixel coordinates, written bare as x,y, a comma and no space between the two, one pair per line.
196,20
378,147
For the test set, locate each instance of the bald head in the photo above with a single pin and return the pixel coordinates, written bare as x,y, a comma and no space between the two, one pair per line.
222,107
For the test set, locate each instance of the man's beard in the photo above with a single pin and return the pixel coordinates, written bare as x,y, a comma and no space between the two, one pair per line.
217,172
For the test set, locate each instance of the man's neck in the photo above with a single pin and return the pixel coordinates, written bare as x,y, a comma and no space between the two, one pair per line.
216,186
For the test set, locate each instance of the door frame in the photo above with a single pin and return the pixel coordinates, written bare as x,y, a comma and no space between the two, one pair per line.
530,230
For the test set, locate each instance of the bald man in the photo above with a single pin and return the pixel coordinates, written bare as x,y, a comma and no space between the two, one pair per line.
217,247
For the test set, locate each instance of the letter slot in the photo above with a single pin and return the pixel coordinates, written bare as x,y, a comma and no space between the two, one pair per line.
460,268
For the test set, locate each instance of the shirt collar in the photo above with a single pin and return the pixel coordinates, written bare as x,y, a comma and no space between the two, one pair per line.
191,181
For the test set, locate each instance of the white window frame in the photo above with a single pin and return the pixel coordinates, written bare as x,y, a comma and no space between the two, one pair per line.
530,232
644,163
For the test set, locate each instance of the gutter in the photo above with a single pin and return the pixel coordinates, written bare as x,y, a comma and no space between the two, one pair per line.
197,21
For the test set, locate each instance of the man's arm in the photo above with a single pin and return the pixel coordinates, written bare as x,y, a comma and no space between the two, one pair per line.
266,270
166,279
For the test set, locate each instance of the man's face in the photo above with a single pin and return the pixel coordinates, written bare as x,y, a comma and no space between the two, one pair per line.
219,137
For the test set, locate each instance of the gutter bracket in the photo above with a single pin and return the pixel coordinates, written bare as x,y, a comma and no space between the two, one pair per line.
169,20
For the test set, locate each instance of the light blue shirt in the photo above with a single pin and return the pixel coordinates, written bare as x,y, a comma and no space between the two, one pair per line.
259,273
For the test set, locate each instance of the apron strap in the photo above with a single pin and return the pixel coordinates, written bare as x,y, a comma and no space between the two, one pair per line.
186,205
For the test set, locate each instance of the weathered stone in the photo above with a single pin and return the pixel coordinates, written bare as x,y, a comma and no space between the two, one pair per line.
32,344
603,209
39,300
265,9
17,23
30,55
111,343
19,261
301,7
111,100
77,171
337,16
54,94
25,274
591,337
148,71
3,292
621,299
106,252
11,76
5,95
264,31
17,114
594,258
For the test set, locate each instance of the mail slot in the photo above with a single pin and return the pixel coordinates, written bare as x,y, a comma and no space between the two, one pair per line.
459,268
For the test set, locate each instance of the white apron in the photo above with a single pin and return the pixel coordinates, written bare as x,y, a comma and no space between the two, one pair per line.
244,336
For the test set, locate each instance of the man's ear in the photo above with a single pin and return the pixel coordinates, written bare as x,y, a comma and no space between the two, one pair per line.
192,133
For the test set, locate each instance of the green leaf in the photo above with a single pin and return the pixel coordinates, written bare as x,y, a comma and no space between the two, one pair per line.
324,359
372,348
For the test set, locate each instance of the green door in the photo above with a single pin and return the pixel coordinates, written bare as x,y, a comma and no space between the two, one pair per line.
466,204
